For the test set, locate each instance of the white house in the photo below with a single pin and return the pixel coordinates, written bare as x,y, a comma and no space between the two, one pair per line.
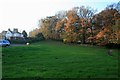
13,34
17,35
9,34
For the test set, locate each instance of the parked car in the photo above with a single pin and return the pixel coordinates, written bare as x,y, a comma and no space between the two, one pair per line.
4,43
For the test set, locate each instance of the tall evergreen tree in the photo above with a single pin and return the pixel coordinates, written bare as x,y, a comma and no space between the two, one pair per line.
24,34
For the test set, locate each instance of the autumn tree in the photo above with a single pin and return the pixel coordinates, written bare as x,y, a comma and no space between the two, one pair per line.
114,6
47,26
59,28
71,27
34,32
82,24
61,14
106,24
44,27
85,14
116,32
67,25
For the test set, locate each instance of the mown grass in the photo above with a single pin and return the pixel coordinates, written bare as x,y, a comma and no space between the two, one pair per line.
57,60
0,62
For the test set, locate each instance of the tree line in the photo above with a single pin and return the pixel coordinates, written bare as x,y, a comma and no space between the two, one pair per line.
82,25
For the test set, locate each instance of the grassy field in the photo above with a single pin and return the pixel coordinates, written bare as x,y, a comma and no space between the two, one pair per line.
57,60
0,62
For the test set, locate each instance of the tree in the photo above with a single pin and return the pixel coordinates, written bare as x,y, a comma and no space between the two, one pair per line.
106,24
114,6
47,27
40,36
67,24
71,27
116,32
34,32
61,14
24,34
84,13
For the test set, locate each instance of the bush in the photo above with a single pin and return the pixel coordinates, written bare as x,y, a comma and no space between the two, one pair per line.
18,41
39,36
31,39
113,46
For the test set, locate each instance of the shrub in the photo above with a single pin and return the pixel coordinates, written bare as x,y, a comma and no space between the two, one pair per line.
32,39
112,45
17,41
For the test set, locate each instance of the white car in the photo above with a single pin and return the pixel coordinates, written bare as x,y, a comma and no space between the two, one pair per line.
4,43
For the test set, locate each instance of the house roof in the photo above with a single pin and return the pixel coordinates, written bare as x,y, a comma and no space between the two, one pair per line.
14,32
10,30
4,32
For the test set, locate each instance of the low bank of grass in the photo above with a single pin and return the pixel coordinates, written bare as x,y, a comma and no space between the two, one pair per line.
57,60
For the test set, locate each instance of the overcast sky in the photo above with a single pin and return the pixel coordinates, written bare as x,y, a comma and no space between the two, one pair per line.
24,14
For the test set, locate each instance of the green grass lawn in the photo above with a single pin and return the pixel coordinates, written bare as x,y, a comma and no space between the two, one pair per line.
57,60
0,62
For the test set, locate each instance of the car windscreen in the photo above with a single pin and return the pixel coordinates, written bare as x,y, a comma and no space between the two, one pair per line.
7,41
4,41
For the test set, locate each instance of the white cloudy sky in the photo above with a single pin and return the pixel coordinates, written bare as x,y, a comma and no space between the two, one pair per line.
24,14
